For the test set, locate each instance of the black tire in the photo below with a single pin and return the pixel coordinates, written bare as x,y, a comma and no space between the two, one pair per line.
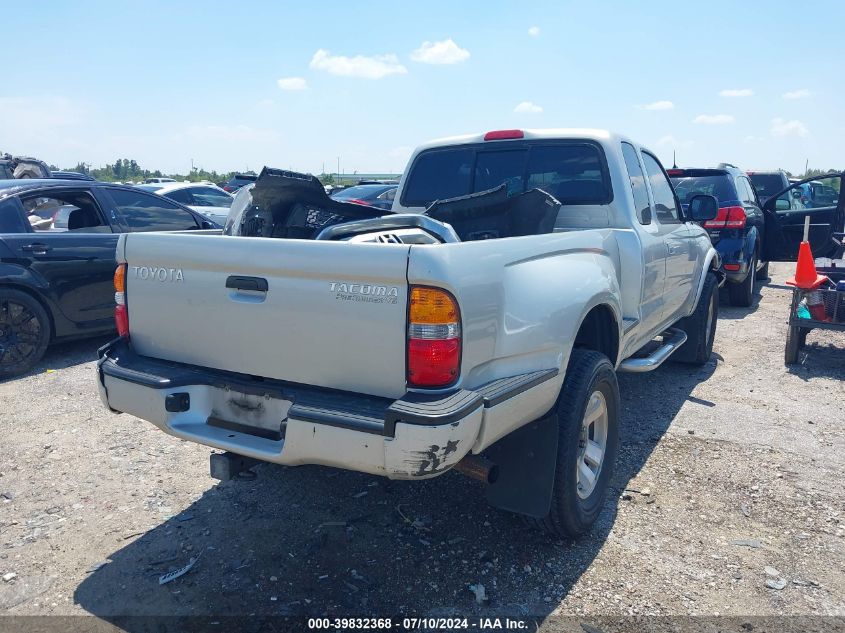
796,338
763,272
24,332
742,294
573,512
700,326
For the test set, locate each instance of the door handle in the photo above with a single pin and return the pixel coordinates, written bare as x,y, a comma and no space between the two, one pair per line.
256,284
36,248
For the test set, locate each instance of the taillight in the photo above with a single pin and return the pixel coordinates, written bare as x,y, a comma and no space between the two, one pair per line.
357,201
727,218
675,172
227,188
121,315
434,338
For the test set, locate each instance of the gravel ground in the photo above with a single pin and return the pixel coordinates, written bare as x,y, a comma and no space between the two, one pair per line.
729,477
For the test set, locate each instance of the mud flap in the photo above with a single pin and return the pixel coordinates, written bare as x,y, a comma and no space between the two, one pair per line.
526,459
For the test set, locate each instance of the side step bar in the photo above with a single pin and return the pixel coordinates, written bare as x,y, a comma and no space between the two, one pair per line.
673,338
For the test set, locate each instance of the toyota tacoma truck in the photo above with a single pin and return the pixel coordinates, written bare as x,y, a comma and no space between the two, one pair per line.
477,326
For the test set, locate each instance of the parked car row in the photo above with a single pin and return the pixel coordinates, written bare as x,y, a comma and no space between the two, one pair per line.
57,236
759,213
57,258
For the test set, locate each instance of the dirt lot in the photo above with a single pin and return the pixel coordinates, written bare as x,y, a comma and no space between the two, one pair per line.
724,472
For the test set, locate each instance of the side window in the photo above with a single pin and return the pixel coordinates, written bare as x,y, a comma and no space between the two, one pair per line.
638,186
745,191
208,197
665,205
147,212
74,211
390,194
180,195
11,217
823,192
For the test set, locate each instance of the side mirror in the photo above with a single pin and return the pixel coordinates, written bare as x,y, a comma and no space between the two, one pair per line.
796,193
703,207
207,225
782,205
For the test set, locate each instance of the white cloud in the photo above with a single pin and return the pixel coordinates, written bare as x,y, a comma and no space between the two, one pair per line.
753,139
737,92
781,127
292,83
443,52
527,107
671,141
374,67
659,105
534,31
803,93
713,119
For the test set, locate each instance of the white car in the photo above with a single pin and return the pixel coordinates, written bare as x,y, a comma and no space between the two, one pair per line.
202,197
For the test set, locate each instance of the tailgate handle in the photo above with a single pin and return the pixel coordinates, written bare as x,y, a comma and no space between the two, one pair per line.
258,284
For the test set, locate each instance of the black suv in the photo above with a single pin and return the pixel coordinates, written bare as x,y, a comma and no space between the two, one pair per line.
737,232
239,180
767,183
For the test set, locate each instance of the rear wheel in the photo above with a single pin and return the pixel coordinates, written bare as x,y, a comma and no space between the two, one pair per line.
24,332
700,326
588,428
742,294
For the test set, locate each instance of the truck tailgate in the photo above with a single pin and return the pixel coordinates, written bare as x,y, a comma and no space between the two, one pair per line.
333,313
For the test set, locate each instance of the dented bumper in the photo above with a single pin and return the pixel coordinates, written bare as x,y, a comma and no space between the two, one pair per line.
417,436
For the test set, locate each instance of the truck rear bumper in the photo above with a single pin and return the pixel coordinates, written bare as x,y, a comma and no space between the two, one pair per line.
418,436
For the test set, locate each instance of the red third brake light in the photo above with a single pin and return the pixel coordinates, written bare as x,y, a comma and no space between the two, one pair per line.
675,172
727,218
500,135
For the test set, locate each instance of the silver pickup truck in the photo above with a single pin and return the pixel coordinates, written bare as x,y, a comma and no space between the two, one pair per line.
478,326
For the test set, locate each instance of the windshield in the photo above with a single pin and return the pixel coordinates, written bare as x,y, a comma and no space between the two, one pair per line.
767,184
574,173
362,192
718,186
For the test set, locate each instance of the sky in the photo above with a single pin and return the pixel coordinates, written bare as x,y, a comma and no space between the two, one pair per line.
235,86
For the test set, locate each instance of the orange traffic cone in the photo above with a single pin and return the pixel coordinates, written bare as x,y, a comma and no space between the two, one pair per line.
806,276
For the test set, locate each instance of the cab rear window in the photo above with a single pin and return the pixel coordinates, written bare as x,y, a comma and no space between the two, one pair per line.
573,172
719,186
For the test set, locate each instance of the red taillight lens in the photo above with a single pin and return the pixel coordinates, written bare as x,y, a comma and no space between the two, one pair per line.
358,201
434,338
727,218
675,172
121,314
121,320
227,188
433,363
732,267
499,135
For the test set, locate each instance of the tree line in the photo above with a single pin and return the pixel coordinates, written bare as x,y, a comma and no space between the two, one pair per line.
126,169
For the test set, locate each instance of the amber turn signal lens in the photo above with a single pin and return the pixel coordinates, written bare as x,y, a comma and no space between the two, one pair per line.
120,278
432,306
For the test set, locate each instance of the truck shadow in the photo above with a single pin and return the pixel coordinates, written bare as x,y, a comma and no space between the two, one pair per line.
316,541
